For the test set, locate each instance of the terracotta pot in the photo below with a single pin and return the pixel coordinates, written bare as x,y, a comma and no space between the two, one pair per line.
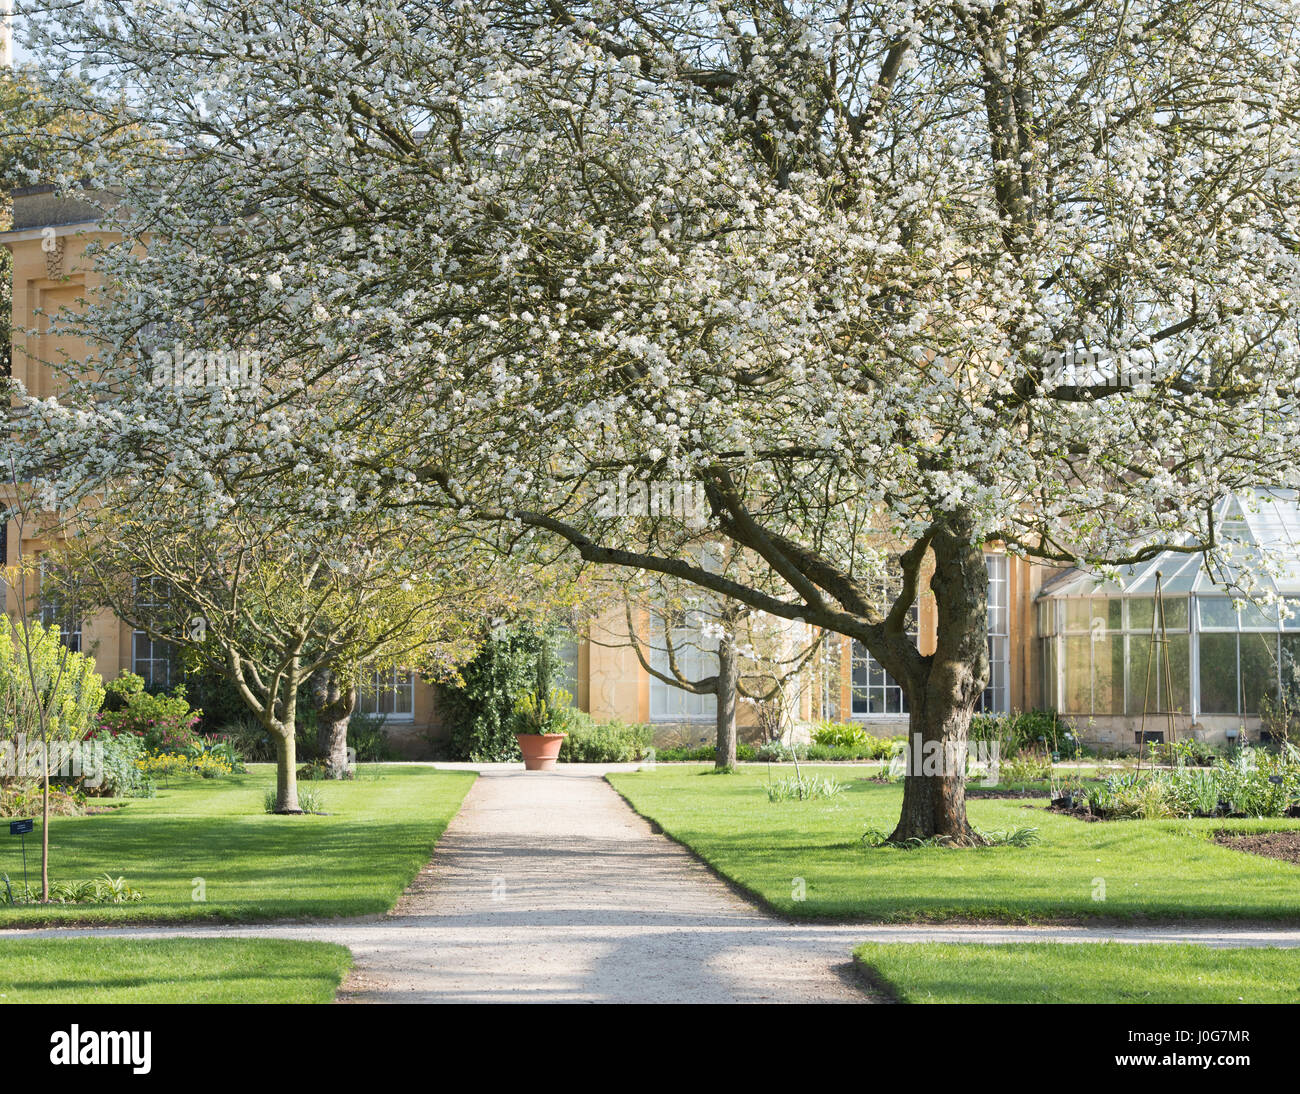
540,750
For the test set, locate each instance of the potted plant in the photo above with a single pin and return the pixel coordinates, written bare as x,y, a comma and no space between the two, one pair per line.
541,723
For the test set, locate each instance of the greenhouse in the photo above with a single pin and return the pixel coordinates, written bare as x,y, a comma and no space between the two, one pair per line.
1227,656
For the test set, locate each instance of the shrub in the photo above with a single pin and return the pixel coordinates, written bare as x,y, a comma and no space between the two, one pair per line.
1023,730
479,711
121,776
841,734
22,798
166,722
118,693
613,742
367,739
1025,767
704,753
248,736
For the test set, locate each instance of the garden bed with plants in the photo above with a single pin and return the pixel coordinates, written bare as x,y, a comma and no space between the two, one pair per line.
1250,783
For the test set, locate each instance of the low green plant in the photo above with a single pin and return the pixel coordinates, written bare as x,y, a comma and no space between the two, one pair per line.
1251,782
1010,837
310,800
104,889
802,788
745,753
1025,767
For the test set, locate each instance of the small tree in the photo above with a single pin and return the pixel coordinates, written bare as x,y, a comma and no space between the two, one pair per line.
267,610
757,657
47,692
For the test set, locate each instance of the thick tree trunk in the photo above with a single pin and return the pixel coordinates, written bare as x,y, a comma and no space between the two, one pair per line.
725,756
286,771
334,707
942,697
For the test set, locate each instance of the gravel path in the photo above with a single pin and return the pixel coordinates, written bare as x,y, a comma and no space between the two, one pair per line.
549,888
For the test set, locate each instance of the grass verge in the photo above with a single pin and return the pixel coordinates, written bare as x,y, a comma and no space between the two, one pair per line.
170,970
206,850
1079,972
805,859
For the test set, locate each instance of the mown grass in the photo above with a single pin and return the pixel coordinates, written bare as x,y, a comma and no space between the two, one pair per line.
212,838
1085,972
806,859
170,970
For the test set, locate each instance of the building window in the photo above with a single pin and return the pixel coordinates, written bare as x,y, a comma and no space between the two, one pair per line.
872,689
696,659
1098,657
566,657
995,699
57,606
151,659
389,694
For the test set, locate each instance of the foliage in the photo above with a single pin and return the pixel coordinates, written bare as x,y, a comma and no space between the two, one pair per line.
705,753
1024,767
22,798
839,735
548,712
870,748
66,687
479,709
121,775
104,889
319,769
250,738
1030,729
1010,837
612,742
802,788
119,692
1185,752
166,722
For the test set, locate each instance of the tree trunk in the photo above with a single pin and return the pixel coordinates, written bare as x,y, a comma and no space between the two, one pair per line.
942,698
334,707
286,770
725,756
45,827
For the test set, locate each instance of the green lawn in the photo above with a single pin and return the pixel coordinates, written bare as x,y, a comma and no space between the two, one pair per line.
169,970
380,830
1086,972
1150,869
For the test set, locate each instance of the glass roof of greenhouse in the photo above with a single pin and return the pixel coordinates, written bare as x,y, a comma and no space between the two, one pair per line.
1265,528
